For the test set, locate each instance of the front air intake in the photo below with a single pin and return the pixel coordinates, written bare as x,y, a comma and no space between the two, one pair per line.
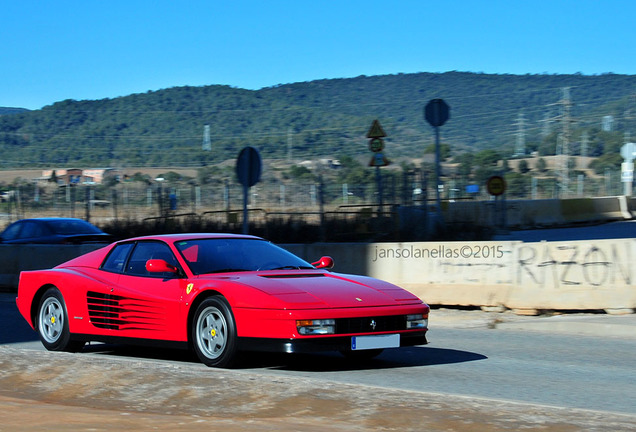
293,275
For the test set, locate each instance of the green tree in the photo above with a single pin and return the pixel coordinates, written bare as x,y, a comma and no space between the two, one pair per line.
354,174
607,161
142,178
483,173
602,142
299,172
571,163
517,185
205,175
466,161
487,158
444,150
548,145
523,166
541,165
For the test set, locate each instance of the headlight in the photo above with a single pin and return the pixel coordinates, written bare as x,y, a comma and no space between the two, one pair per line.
316,327
416,321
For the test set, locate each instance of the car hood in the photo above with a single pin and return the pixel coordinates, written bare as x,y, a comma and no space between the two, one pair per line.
318,289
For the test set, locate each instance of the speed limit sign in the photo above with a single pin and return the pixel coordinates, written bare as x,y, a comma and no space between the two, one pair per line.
496,185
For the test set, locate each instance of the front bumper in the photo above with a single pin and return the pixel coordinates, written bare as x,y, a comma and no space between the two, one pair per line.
317,344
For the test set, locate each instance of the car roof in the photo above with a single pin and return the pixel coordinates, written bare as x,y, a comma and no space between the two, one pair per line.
193,236
47,219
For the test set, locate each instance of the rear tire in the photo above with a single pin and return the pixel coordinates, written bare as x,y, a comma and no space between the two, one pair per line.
52,323
214,333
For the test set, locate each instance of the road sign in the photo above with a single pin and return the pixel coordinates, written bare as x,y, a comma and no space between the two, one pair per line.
376,145
627,171
437,112
496,185
248,166
627,176
628,151
379,160
376,130
248,171
472,189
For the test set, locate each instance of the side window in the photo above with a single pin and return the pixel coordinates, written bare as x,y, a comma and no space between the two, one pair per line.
116,260
150,250
12,232
31,230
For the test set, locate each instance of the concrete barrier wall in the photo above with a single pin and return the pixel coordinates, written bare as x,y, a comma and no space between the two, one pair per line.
576,275
591,274
537,213
17,258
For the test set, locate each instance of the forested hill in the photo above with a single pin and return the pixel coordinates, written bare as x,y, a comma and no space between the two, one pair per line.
324,118
7,110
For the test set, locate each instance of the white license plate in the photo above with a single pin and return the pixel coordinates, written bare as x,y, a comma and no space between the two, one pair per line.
375,342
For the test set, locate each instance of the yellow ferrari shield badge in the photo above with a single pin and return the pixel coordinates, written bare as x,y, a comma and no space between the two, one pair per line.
189,288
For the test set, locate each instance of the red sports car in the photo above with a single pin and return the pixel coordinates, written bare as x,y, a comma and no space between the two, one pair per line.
217,294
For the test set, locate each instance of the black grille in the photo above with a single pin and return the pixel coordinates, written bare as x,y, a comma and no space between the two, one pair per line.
370,324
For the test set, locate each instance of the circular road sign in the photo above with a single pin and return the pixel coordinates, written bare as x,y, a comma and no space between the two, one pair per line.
376,145
496,185
628,151
437,112
248,166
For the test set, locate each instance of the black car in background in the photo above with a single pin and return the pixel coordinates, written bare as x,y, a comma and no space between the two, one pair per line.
52,231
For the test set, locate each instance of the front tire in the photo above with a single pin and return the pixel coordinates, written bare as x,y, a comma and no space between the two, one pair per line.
52,323
214,333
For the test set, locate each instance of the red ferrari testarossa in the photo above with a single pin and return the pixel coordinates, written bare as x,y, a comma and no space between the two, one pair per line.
216,294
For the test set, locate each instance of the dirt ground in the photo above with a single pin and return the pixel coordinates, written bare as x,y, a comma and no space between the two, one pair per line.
42,391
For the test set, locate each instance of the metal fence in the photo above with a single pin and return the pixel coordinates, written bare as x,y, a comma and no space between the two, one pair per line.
308,201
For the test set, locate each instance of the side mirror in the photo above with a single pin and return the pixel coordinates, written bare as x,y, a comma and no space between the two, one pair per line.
324,262
160,266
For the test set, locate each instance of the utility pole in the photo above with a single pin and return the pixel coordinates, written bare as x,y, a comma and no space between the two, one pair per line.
585,142
436,113
207,144
566,105
290,144
520,147
564,138
546,129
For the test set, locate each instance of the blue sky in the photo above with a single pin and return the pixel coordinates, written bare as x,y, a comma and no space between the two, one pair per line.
89,49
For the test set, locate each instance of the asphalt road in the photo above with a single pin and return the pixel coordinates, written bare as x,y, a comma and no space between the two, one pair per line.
593,373
612,230
554,369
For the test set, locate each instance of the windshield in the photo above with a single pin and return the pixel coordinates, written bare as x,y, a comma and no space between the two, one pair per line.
228,255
